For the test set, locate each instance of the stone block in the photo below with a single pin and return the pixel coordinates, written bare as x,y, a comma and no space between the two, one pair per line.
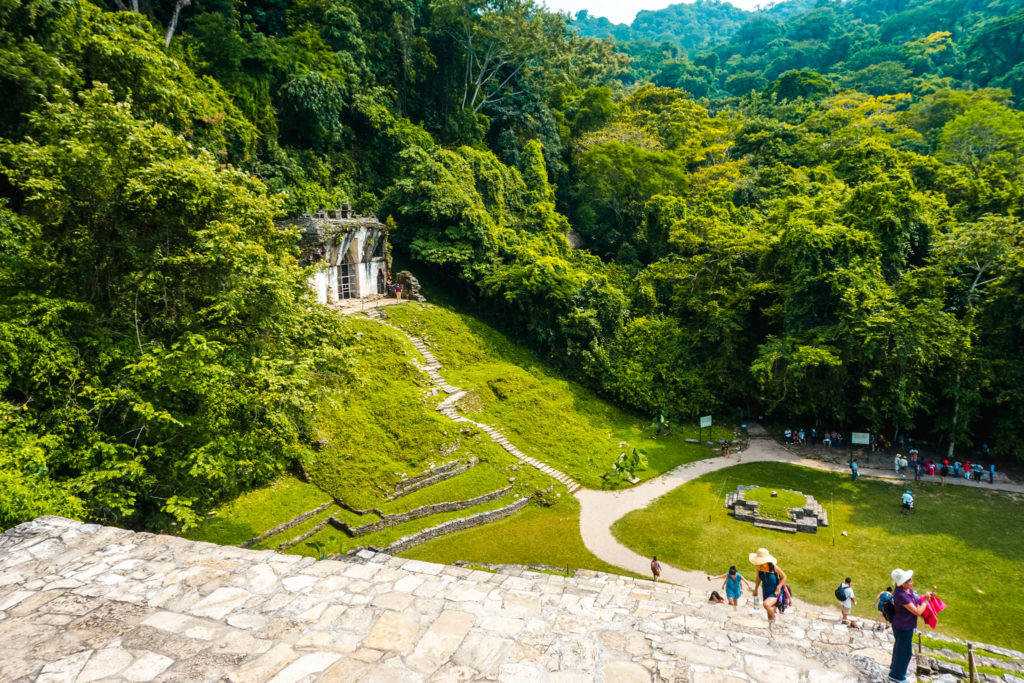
483,652
146,667
440,641
219,603
305,666
625,672
105,664
393,631
65,668
265,666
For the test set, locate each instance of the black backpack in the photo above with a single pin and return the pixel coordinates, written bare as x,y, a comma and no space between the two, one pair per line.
888,610
841,593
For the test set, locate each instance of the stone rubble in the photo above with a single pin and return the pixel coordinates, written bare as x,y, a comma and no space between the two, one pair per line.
81,602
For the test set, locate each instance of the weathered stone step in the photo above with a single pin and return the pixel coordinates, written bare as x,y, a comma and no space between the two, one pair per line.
95,603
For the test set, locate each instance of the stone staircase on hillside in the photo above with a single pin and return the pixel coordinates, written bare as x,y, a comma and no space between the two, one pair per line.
447,407
85,602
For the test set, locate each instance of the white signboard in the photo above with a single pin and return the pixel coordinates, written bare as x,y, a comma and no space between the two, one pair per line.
705,421
860,438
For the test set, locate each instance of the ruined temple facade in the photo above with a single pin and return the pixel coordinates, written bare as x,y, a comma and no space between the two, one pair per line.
354,248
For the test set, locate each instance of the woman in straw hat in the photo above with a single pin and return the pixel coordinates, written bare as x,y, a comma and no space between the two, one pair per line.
770,578
907,607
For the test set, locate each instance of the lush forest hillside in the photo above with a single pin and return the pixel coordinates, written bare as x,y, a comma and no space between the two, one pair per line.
712,49
819,246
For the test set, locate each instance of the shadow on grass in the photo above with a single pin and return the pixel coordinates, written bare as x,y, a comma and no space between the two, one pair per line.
223,531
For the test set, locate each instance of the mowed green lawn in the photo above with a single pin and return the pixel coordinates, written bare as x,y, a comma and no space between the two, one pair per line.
964,541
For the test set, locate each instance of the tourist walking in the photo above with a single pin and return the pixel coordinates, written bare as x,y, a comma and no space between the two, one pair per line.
656,568
992,473
733,585
907,607
847,601
884,598
771,579
854,470
896,463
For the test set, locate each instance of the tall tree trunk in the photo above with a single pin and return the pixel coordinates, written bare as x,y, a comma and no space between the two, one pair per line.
174,20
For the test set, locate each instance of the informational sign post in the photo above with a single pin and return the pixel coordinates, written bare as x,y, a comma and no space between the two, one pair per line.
860,439
705,421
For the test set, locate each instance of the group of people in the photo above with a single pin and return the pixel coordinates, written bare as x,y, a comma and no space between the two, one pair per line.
776,595
799,437
926,467
898,608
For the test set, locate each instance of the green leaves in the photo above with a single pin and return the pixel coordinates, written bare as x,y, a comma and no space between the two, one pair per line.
173,349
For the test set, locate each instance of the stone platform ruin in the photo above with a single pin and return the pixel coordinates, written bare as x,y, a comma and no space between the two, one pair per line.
81,602
804,519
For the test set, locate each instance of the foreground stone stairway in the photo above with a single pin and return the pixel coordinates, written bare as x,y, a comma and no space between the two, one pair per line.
84,603
448,408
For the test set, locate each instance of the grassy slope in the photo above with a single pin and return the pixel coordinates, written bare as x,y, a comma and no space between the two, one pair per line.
386,426
258,511
551,418
964,541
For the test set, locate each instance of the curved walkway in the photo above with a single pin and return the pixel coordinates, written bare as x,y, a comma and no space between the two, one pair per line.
600,509
447,407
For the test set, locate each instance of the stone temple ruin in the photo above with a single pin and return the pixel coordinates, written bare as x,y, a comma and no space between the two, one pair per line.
805,519
353,247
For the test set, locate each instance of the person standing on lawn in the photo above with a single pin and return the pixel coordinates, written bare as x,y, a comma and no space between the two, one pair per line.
854,470
771,579
656,568
908,502
907,608
733,585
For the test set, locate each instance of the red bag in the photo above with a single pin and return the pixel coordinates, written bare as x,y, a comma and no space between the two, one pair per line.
931,611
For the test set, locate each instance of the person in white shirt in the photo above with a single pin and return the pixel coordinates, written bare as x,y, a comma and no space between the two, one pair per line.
847,604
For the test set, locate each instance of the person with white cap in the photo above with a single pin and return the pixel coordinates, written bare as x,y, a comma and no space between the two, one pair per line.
907,607
771,579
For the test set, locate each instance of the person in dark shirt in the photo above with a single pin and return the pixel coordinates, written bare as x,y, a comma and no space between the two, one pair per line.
907,608
771,579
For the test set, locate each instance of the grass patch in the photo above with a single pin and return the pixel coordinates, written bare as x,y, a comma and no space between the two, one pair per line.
274,541
385,425
485,477
546,416
255,512
774,508
961,540
960,648
536,535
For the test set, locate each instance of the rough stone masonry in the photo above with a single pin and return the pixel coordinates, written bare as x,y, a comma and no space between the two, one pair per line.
80,602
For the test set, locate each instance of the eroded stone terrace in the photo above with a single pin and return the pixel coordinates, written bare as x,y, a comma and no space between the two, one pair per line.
82,602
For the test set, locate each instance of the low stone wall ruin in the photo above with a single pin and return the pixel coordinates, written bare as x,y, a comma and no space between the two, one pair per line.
293,522
453,525
430,477
388,521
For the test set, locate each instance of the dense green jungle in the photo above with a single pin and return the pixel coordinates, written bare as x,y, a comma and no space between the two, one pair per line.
812,212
